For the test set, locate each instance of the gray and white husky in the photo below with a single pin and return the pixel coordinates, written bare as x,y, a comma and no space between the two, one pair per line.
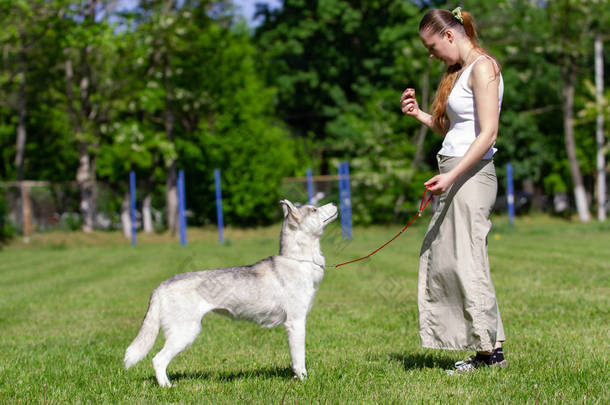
278,290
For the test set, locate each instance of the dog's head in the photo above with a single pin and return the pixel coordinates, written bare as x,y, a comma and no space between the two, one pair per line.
308,218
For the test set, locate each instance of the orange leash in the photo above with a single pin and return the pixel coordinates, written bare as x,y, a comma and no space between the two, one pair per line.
422,206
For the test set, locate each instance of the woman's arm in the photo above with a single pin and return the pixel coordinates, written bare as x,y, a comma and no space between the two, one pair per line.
409,106
484,81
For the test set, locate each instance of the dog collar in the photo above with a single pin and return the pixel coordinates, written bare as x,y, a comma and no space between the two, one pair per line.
304,261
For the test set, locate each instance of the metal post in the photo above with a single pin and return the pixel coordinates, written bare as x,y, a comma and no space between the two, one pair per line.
309,187
348,200
341,206
219,206
510,194
344,201
181,208
132,194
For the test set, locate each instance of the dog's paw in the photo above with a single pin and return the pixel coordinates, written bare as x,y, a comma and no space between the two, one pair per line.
301,375
163,381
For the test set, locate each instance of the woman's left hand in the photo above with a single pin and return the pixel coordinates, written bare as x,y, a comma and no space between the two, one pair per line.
440,183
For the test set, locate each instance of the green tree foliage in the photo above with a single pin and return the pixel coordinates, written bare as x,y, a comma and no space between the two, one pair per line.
182,63
34,28
530,132
169,85
552,51
339,67
238,134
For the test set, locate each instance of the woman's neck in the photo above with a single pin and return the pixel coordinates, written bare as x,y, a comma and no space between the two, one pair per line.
468,53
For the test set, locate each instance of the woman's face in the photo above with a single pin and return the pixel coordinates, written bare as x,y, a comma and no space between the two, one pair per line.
441,47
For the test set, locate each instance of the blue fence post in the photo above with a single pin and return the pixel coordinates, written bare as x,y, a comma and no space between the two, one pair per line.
510,193
132,195
341,207
219,205
348,200
181,208
345,200
309,187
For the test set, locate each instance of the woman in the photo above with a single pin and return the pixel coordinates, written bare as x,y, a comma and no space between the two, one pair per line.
456,298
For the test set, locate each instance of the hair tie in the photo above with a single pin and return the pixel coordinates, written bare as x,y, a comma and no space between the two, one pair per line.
457,13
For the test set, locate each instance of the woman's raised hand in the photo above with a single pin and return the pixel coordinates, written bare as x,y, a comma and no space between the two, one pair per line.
408,103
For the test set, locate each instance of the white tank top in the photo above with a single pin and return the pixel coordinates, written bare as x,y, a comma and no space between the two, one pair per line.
462,113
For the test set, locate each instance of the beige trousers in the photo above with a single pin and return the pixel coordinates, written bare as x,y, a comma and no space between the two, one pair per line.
456,298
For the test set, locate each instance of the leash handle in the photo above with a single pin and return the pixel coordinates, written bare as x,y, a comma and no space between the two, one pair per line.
422,206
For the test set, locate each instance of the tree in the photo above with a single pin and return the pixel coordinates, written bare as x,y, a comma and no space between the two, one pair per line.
595,117
237,132
89,56
193,100
570,24
340,67
164,33
25,25
601,161
544,45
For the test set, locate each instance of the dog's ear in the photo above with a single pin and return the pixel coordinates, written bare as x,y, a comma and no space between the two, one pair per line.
290,209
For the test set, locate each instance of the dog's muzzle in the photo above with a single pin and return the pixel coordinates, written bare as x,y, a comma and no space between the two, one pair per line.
333,216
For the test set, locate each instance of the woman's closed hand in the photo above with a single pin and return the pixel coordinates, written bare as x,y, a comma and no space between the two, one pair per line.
440,183
408,103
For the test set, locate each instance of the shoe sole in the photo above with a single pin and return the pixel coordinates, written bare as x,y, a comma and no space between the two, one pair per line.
501,364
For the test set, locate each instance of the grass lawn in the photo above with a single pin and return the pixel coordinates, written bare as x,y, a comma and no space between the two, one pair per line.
71,303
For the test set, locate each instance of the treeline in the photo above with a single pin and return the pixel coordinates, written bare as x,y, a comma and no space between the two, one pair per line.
91,91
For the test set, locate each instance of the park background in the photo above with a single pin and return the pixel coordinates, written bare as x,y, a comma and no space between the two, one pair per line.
93,90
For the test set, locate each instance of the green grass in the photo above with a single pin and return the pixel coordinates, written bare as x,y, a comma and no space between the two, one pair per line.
71,303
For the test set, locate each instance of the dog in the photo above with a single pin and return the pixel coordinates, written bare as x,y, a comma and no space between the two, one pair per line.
278,290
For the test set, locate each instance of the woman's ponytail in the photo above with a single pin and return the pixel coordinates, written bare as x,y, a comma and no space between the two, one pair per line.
470,27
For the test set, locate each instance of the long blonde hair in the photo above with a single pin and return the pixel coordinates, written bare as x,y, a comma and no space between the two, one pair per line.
437,22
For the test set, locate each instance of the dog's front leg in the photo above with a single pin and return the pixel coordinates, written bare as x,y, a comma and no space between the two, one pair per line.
296,341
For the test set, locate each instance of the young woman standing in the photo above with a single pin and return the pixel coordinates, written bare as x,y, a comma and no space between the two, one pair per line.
457,303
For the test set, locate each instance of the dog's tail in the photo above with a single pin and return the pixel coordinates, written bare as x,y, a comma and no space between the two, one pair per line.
147,335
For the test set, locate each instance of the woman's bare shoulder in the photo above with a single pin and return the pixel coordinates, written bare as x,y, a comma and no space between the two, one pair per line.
485,67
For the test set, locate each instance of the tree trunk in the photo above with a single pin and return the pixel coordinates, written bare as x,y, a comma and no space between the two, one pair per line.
601,160
126,215
147,221
21,138
86,186
568,120
84,170
146,213
172,198
84,176
22,113
172,176
85,173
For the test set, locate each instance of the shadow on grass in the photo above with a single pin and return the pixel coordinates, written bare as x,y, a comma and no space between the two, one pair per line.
412,361
267,372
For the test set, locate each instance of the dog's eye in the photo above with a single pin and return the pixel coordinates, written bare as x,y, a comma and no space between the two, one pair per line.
313,209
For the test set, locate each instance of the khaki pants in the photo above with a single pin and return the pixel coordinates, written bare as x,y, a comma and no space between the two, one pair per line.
456,298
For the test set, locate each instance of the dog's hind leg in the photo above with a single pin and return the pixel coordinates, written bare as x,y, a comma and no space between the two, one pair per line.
296,341
179,334
178,337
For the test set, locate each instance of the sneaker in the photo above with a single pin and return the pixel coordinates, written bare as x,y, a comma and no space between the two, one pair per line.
495,359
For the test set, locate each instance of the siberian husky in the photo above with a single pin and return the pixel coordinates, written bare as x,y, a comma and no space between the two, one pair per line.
278,290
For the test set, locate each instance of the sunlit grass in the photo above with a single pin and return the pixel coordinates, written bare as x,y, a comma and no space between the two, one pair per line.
71,303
